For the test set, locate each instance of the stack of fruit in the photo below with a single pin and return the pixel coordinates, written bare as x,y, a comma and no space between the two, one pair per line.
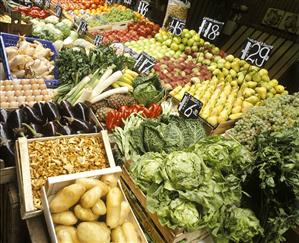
189,41
134,31
235,87
126,80
150,46
174,72
78,4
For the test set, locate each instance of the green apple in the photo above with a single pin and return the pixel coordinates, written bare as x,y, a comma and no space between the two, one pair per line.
192,32
174,47
181,47
188,36
167,42
190,42
185,41
177,40
184,32
194,48
196,38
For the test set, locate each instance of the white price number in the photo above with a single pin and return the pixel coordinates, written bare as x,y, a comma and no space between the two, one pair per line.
128,2
189,111
176,26
256,52
143,7
210,28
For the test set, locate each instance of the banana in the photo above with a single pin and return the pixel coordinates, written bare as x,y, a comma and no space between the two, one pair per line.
129,76
126,80
129,71
123,84
115,85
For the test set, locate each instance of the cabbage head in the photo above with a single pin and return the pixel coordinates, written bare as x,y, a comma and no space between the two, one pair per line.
64,28
52,19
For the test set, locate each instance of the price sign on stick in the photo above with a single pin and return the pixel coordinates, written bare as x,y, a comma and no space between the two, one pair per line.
110,2
256,52
190,107
143,7
98,40
82,27
39,3
210,29
144,63
176,25
58,10
47,4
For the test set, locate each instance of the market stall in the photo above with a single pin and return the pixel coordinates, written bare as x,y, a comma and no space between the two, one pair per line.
114,128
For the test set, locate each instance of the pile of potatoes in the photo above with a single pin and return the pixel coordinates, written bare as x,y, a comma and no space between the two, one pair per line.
92,211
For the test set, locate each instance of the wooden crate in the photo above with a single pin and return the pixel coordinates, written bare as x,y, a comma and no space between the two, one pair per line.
7,174
28,210
54,184
12,228
170,236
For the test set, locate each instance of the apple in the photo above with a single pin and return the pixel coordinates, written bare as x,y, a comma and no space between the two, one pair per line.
185,41
182,47
194,48
174,47
177,40
190,42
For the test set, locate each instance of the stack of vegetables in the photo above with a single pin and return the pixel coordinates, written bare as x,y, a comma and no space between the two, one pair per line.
42,120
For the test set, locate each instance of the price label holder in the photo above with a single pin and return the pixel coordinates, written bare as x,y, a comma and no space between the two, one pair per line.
39,3
144,63
176,25
98,40
26,3
110,2
47,4
143,7
210,29
190,107
256,52
128,3
58,10
82,27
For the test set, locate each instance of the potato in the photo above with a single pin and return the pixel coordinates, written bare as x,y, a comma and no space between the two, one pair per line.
71,229
130,233
64,218
93,195
89,183
99,208
113,201
66,198
110,180
84,214
64,236
118,235
124,212
93,232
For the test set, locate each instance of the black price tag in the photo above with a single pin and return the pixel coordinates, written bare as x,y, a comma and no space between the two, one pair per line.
190,107
144,63
143,7
82,27
58,10
47,4
256,52
98,40
210,29
128,3
176,25
39,3
26,3
110,2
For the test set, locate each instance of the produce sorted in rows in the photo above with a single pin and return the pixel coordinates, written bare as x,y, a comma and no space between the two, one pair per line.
150,46
33,11
228,97
134,31
68,207
30,60
174,72
65,155
42,120
167,133
199,188
51,28
91,70
14,93
272,115
70,5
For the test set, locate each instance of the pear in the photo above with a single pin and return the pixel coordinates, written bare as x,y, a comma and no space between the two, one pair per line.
212,120
274,82
242,63
270,95
235,66
233,73
252,99
265,78
240,79
273,91
246,106
229,58
251,84
223,116
248,77
216,71
262,92
246,66
263,72
225,72
279,89
236,109
227,65
248,92
234,83
228,78
235,116
256,77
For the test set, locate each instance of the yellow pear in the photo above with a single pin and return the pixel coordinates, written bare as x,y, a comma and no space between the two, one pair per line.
262,92
279,89
246,106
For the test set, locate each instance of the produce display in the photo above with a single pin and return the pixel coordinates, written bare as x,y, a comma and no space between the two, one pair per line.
30,60
178,72
231,92
34,11
42,120
134,31
23,91
78,4
126,80
51,28
78,210
65,155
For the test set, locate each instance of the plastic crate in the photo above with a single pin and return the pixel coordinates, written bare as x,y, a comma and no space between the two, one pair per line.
11,40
